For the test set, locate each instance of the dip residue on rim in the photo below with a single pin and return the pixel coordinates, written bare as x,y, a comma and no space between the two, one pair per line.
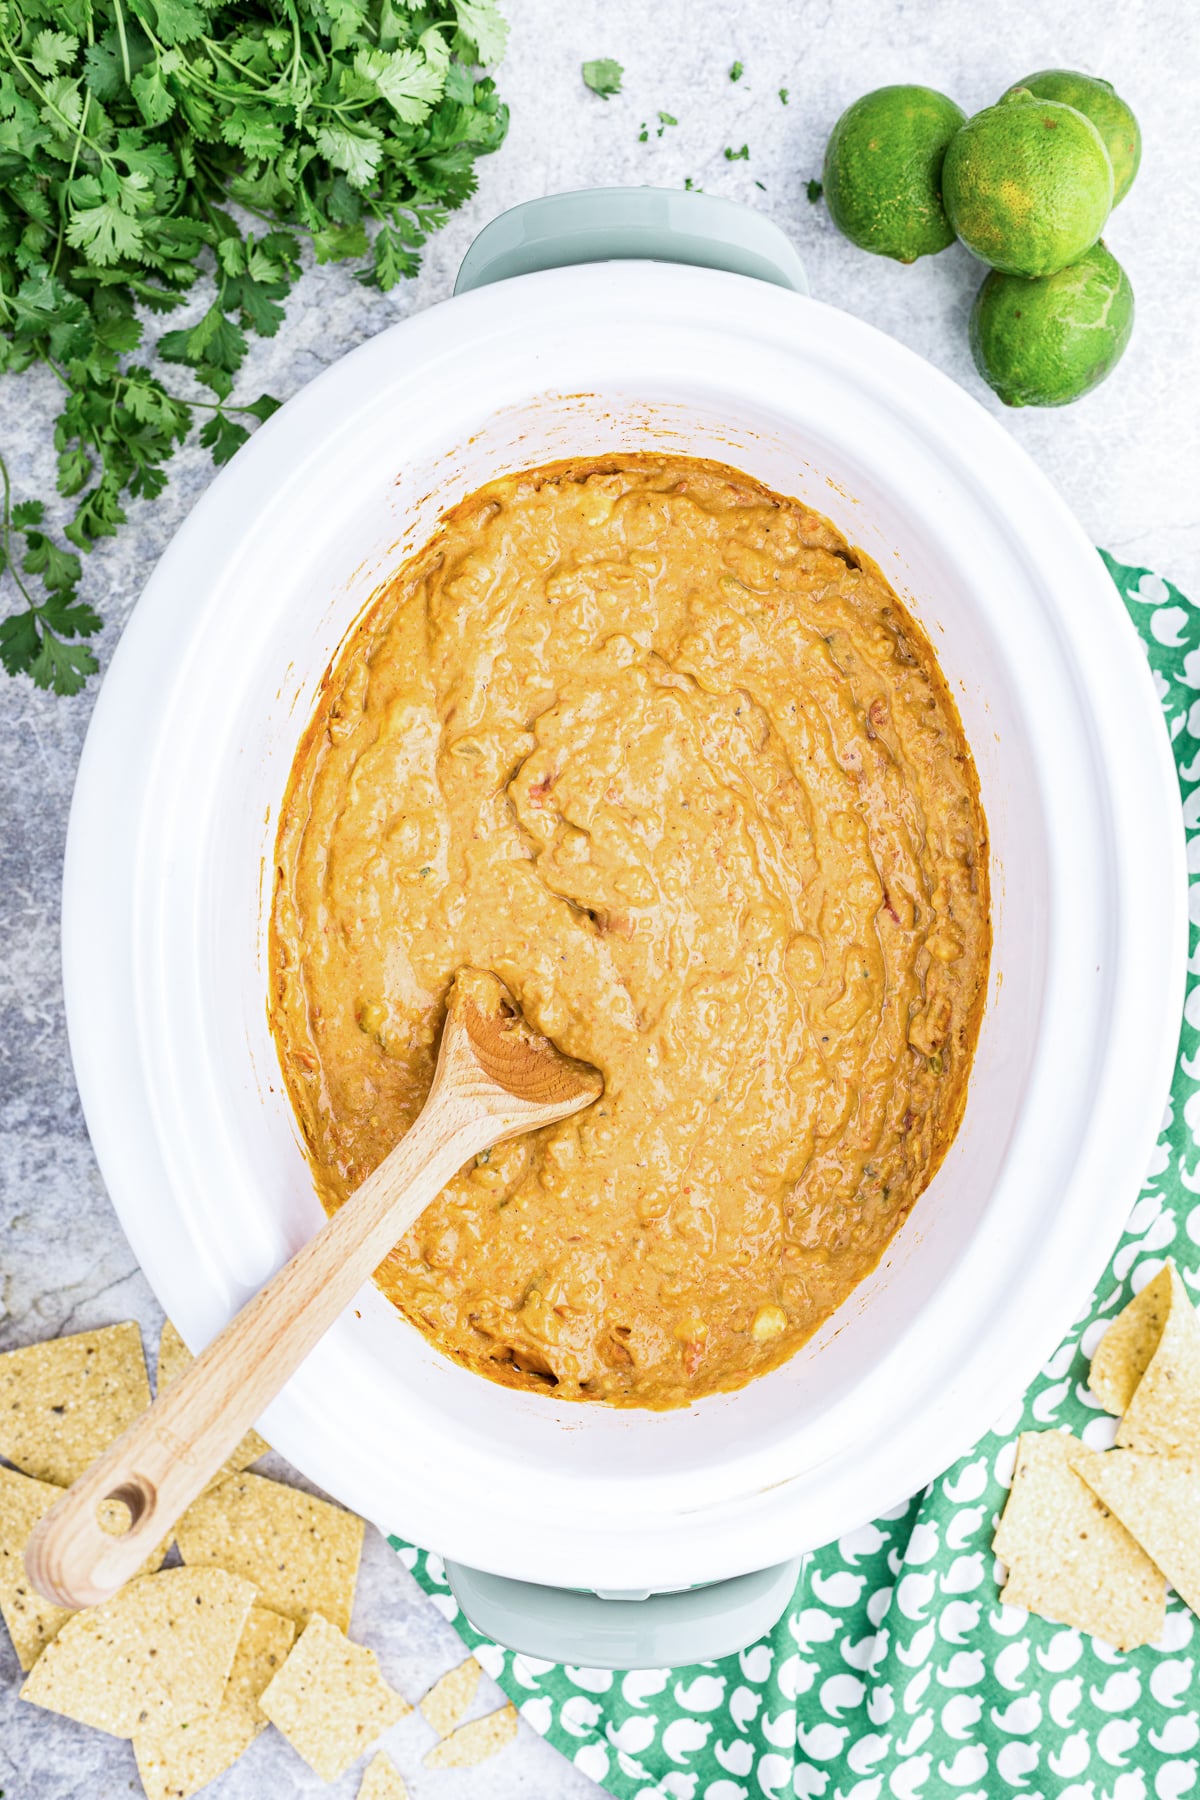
654,745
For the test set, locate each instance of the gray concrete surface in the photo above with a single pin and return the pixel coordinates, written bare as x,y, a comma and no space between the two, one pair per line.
1125,459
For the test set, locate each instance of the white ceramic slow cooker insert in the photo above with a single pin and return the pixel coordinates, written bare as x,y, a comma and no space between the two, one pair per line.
169,877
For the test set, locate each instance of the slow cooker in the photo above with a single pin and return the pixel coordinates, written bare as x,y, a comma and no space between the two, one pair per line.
587,324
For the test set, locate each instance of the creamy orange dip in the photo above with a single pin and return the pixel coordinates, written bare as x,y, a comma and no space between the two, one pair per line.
653,745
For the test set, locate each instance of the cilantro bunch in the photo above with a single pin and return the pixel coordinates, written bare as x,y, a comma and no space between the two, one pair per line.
129,129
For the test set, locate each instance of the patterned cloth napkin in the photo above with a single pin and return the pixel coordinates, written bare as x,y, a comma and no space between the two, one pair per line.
896,1674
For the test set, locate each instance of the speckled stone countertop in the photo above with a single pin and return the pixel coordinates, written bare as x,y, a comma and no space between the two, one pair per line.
1126,459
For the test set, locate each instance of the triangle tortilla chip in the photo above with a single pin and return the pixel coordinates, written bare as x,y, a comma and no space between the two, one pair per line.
176,1758
449,1698
1123,1353
1163,1413
64,1402
382,1780
32,1621
329,1699
1157,1498
173,1358
163,1645
1069,1559
301,1553
475,1742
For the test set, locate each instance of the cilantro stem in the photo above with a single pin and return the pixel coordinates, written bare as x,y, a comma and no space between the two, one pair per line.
120,17
66,188
10,561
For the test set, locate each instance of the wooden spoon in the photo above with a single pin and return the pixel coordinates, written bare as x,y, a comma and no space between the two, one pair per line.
495,1079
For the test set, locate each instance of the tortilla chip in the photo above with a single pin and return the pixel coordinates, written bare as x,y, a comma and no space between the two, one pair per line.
300,1553
173,1358
32,1621
382,1780
176,1758
1164,1412
329,1699
1068,1558
1123,1353
1157,1498
163,1645
475,1742
449,1698
64,1401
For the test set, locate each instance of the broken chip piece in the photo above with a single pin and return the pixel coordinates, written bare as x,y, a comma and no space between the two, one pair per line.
173,1358
1157,1499
162,1645
475,1742
330,1700
382,1780
1068,1558
177,1757
448,1699
65,1401
301,1553
32,1621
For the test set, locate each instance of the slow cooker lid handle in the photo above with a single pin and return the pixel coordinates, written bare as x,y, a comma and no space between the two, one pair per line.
625,1631
632,223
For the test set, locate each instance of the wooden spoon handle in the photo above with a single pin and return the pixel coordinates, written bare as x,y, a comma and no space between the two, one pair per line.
168,1455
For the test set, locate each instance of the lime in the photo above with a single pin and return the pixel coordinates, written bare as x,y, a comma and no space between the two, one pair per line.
1028,184
1045,342
883,167
1098,101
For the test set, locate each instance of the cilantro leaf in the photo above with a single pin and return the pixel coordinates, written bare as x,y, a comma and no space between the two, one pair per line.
127,127
483,27
603,76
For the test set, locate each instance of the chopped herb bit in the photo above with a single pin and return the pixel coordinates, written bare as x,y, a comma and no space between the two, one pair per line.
814,190
665,119
742,155
735,74
691,188
783,95
603,76
762,185
643,135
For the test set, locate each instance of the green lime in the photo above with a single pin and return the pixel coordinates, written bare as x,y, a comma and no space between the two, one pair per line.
1047,341
1028,184
1098,101
883,169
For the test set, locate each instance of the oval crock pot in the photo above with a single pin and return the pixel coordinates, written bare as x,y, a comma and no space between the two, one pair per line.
170,864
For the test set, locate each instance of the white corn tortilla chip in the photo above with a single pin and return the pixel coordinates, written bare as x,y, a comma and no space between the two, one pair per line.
64,1401
448,1699
32,1622
1068,1558
163,1645
475,1742
330,1700
1124,1352
301,1553
1163,1413
176,1758
382,1780
1157,1499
